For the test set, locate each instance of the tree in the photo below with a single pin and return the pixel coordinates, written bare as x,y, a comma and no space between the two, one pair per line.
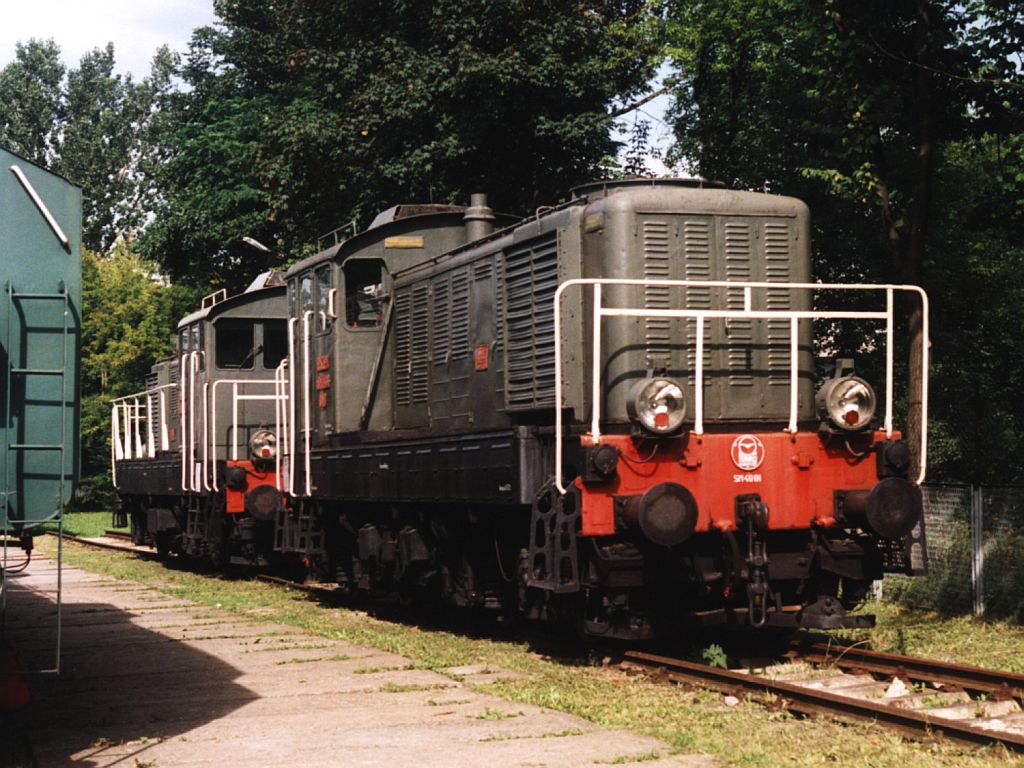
91,125
849,105
304,115
128,321
30,100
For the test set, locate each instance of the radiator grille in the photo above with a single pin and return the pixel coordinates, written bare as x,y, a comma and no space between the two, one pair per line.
412,344
403,362
531,279
460,314
441,338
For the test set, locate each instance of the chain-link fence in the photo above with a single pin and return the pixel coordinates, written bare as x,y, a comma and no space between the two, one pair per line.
975,543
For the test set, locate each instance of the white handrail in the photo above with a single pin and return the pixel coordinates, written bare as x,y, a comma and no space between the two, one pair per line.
183,417
700,315
132,414
193,370
281,418
306,420
206,416
292,405
150,441
235,399
116,449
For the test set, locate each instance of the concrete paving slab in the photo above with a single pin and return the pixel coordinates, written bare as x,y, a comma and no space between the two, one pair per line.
149,680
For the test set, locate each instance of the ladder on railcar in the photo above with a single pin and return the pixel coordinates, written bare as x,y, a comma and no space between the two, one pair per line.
23,378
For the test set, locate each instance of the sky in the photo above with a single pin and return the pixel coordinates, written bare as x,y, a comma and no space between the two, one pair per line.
135,27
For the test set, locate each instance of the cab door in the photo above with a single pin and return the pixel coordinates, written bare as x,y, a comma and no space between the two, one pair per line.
321,348
190,405
311,380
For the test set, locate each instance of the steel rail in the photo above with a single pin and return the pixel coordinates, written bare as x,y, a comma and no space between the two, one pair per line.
809,701
1007,684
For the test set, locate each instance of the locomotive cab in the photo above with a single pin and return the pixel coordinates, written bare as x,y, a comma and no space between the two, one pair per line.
196,459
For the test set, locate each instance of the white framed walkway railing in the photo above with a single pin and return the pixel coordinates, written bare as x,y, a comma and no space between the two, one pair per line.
750,289
139,425
241,391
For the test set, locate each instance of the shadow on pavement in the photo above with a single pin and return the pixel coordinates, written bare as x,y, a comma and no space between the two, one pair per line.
120,682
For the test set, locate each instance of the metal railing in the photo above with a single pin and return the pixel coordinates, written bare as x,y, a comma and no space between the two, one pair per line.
131,417
147,414
748,312
238,395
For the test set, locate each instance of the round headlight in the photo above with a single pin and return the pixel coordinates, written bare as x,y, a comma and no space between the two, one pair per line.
658,405
848,402
263,445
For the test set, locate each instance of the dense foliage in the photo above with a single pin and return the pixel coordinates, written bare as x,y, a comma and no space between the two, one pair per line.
301,116
90,125
128,321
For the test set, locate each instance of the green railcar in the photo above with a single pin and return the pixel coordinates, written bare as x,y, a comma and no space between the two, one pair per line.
40,330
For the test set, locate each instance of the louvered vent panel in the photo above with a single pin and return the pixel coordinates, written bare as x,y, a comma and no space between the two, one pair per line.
739,332
499,313
777,259
153,398
531,279
403,338
172,394
460,314
482,270
441,332
657,330
419,338
697,250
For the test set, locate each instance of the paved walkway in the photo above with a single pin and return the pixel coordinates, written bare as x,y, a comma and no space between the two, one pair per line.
150,681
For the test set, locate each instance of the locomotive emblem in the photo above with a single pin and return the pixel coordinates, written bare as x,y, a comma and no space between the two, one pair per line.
747,452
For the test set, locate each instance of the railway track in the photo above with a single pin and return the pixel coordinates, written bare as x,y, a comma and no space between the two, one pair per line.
920,698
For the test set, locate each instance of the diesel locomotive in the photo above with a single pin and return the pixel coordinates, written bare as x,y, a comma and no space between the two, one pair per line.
608,413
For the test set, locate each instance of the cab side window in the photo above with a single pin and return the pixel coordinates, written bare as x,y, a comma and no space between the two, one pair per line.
364,293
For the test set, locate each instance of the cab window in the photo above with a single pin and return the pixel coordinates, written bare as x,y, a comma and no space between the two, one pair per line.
306,293
197,345
323,300
235,344
364,293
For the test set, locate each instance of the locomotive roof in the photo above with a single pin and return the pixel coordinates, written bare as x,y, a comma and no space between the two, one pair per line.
406,216
263,282
599,188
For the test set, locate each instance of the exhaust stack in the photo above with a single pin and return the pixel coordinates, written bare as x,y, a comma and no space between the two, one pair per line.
479,218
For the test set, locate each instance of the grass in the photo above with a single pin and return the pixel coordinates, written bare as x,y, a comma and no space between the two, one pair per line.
566,679
86,524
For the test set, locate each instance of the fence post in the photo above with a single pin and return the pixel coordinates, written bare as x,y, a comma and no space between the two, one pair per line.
978,550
